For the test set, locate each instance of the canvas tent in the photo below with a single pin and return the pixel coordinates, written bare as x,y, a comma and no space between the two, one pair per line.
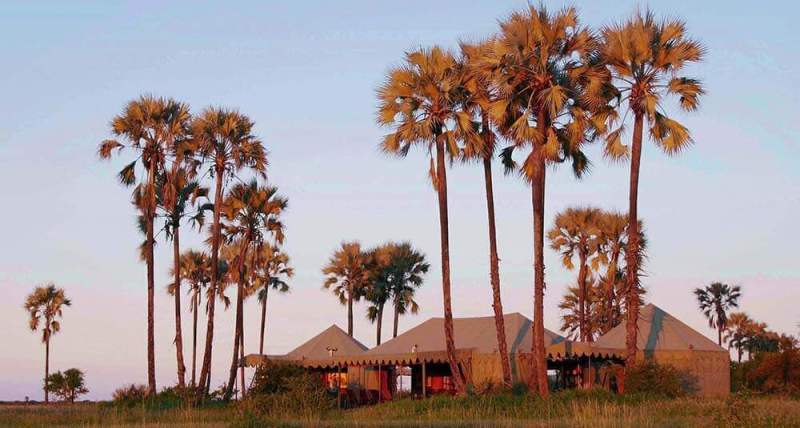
319,351
667,340
423,348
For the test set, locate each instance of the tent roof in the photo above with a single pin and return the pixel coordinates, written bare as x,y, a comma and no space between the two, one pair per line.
316,348
477,333
658,331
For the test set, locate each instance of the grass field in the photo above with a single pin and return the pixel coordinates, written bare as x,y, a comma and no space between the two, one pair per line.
563,410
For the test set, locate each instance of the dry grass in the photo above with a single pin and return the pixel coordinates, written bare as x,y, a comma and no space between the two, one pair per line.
565,410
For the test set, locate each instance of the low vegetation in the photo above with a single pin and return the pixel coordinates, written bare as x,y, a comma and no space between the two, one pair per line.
572,408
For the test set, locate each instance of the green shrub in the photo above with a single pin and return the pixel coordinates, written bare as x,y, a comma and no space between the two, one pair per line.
651,378
285,390
274,378
68,385
169,398
129,395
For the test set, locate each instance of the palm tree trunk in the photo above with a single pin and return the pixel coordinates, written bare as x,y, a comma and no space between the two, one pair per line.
46,369
239,322
494,273
611,275
151,341
205,371
196,304
396,320
241,357
379,323
176,256
441,187
582,298
537,195
540,363
632,268
719,335
350,309
263,319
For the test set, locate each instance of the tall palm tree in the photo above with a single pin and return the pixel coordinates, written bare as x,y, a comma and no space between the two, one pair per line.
150,127
252,213
409,267
420,100
225,141
479,96
546,71
715,301
645,58
347,274
176,193
576,232
195,270
270,270
44,306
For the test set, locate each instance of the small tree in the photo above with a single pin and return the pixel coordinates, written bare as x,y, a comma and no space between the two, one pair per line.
67,385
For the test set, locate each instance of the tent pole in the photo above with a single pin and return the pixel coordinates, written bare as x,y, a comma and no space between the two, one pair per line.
380,384
338,386
424,381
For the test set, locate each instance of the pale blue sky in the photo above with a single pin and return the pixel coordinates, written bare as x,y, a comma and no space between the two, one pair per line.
306,73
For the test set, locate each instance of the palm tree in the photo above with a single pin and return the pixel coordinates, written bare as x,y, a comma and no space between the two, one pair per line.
347,274
575,317
715,301
44,305
251,213
269,270
152,127
645,57
176,193
225,142
613,241
409,267
479,96
380,288
546,71
739,328
421,101
195,270
576,232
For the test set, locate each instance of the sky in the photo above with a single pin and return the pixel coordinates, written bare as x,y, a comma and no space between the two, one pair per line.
306,73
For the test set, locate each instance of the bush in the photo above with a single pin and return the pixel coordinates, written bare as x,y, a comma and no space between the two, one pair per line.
68,385
129,395
651,378
169,398
284,390
770,372
275,378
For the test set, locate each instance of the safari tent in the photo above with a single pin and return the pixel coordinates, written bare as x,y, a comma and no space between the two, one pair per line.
421,350
318,354
667,340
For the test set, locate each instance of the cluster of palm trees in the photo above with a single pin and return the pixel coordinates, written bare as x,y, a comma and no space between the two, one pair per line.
597,240
388,273
743,333
546,85
173,153
737,329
